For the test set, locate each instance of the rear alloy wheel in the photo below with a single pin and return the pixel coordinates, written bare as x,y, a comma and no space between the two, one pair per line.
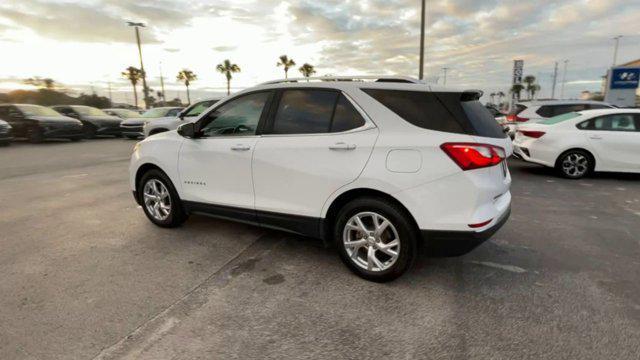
574,164
375,239
89,131
160,200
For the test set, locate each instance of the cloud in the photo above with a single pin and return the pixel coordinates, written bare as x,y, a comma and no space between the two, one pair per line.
102,21
224,48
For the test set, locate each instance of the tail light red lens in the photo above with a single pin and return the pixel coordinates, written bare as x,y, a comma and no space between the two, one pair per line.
532,133
516,118
471,156
479,225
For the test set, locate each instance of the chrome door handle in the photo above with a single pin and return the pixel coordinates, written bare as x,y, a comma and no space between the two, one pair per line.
241,147
342,146
595,137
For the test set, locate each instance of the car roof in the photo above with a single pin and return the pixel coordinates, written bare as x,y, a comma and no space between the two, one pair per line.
559,102
599,112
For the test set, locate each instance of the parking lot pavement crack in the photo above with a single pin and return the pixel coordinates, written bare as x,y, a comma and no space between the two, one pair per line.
154,328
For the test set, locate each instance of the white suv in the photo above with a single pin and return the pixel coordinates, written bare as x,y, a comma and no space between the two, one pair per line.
373,167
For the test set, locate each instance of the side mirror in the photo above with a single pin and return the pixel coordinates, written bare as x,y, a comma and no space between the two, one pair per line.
188,130
181,114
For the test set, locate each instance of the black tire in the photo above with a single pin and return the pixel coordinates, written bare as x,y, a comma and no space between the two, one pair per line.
575,164
131,137
75,139
89,130
177,215
408,236
35,135
5,143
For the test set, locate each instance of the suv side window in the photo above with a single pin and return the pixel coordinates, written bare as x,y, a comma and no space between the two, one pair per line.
305,111
198,108
173,112
237,117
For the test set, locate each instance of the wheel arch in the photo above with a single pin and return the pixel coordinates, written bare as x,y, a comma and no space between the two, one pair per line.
352,194
143,169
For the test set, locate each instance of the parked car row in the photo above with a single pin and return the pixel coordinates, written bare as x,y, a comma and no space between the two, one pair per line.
74,122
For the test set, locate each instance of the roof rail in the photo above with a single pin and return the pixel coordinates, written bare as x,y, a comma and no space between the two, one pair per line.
377,78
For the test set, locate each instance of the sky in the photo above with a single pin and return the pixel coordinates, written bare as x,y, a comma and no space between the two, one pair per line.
85,44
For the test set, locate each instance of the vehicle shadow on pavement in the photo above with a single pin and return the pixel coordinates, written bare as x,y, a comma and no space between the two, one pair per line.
546,172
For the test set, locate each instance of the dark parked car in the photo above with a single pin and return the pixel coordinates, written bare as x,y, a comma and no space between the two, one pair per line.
37,123
5,133
95,121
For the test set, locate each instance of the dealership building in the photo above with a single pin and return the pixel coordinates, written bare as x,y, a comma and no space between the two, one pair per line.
620,86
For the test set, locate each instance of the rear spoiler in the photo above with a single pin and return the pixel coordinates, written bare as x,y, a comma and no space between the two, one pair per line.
471,95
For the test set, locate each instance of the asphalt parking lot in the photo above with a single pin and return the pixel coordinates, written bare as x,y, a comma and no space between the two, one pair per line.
85,275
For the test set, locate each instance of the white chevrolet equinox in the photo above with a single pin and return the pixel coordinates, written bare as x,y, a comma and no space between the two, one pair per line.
374,166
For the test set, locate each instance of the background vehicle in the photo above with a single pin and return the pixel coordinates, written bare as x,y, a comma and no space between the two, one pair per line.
38,123
123,113
94,121
580,142
172,122
5,133
372,167
536,111
132,128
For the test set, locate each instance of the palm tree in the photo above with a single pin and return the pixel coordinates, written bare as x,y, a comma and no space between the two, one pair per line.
286,63
227,68
134,75
492,96
530,80
517,89
307,70
46,83
187,76
535,88
501,96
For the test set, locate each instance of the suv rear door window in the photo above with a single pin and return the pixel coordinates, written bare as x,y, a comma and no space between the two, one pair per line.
305,111
345,117
616,122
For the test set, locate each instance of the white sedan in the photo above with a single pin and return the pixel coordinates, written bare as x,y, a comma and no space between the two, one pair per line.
578,143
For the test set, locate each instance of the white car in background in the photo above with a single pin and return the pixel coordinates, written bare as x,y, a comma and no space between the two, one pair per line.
580,142
535,111
132,127
172,122
374,167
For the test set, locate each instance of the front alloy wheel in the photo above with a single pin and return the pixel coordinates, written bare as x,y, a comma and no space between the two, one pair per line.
157,199
371,241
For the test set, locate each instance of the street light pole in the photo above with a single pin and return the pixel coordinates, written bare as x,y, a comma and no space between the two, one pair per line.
164,99
555,79
145,88
615,49
564,78
422,14
445,69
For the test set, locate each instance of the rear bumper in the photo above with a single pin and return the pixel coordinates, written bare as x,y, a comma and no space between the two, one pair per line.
456,243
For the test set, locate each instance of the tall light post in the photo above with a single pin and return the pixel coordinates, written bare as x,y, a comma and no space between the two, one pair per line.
564,78
615,49
421,69
445,69
145,88
164,99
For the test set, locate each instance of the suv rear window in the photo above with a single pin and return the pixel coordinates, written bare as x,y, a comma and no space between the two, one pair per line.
445,111
548,111
517,109
560,118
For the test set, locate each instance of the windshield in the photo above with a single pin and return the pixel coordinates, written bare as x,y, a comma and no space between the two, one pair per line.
89,111
37,110
560,118
155,113
198,108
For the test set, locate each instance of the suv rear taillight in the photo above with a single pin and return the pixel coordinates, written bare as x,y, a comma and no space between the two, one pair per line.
516,118
531,133
471,156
